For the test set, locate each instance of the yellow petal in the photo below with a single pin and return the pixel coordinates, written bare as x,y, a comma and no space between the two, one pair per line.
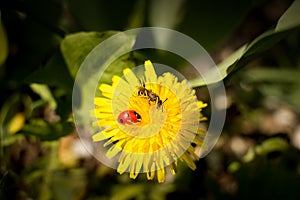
99,137
121,87
161,175
147,162
173,167
114,150
151,173
106,90
201,132
198,141
130,77
115,80
201,104
103,115
133,175
135,165
192,153
188,161
99,101
110,132
124,162
104,122
150,73
102,109
139,163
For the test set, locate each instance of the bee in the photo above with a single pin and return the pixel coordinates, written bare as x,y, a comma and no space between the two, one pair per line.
152,97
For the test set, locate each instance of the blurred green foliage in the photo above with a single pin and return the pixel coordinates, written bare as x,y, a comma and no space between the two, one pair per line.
3,43
256,46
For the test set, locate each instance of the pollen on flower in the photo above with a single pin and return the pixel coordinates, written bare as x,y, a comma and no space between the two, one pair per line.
150,122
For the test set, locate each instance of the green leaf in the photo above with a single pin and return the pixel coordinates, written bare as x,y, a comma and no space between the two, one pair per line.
113,56
234,166
278,83
47,131
290,19
224,68
45,93
261,44
116,68
8,110
3,44
11,139
132,191
73,181
137,17
205,17
75,47
167,13
271,145
266,147
55,73
288,23
272,75
57,82
98,15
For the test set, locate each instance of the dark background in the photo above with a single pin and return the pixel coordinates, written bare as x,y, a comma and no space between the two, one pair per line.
257,155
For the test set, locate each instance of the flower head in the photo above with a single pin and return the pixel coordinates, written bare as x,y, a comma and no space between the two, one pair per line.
149,122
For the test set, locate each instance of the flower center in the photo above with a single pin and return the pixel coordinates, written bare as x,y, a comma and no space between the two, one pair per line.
157,106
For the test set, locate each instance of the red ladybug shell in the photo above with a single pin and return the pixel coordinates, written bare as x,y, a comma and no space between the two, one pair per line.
129,117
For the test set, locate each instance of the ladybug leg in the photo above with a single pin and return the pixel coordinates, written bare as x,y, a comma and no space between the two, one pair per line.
130,122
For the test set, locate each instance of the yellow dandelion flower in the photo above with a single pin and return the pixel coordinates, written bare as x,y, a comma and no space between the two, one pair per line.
149,122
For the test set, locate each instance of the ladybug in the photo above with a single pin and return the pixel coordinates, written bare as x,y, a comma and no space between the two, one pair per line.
129,117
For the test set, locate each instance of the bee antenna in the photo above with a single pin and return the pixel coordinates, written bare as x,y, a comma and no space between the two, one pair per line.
160,103
164,100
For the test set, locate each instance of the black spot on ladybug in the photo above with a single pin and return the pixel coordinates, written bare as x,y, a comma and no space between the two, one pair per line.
137,115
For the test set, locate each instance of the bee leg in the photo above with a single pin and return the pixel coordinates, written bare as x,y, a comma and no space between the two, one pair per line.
158,104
